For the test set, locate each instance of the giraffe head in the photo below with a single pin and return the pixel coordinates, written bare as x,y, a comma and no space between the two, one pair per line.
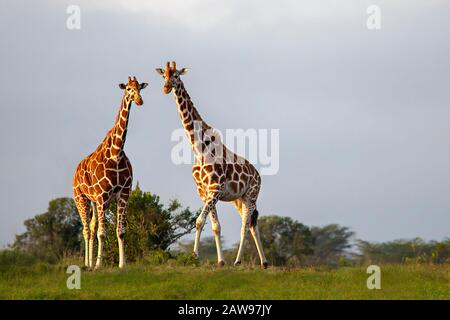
171,76
133,89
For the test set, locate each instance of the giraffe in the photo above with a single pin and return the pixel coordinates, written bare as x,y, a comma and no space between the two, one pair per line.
104,175
219,174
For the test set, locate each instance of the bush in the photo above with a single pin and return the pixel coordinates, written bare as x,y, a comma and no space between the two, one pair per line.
187,259
11,257
149,226
156,257
283,240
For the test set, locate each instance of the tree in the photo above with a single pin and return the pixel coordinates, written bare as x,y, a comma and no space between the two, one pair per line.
207,247
54,233
285,241
403,250
149,225
330,243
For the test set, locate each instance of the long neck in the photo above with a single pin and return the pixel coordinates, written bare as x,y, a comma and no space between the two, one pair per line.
190,117
118,133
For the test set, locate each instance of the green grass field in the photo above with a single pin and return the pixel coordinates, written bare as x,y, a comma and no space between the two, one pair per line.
43,281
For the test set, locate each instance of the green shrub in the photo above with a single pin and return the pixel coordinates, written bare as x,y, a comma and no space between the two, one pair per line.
149,226
156,257
187,259
11,258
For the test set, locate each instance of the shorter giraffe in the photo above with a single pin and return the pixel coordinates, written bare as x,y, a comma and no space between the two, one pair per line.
104,175
218,173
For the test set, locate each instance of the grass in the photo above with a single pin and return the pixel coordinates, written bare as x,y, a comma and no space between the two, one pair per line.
140,281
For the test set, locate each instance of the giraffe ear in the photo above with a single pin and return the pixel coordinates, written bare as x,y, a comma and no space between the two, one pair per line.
160,71
122,86
184,71
143,85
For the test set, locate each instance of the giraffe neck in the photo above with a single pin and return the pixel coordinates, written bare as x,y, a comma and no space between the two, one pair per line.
118,133
190,118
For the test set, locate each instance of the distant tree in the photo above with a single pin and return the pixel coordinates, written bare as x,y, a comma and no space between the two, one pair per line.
330,244
285,241
398,251
52,234
207,249
149,225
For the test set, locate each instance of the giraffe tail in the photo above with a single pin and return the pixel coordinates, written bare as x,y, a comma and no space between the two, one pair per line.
254,218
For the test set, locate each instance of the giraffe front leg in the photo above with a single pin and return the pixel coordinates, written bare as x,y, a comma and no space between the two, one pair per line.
209,205
101,233
199,223
216,230
120,231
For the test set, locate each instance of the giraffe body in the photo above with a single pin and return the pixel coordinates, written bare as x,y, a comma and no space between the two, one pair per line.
104,175
219,174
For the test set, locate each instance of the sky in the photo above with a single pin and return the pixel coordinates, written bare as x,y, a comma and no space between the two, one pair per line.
363,115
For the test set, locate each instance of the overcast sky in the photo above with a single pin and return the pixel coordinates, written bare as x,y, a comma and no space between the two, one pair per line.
364,115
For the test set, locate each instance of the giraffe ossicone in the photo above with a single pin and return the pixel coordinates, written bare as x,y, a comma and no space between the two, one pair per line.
219,174
104,175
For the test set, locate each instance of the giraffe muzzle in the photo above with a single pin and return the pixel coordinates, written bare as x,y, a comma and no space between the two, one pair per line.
167,89
139,102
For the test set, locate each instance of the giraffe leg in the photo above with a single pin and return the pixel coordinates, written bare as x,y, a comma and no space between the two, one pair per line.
244,228
93,227
82,204
101,232
209,205
120,231
216,230
254,230
199,223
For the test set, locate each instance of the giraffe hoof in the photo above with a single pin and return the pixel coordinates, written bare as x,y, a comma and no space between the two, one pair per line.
265,265
220,264
237,263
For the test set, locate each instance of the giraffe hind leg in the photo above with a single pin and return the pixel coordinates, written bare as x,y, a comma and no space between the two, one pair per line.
120,228
93,229
254,230
101,233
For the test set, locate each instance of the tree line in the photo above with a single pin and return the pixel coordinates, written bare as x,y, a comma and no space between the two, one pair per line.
153,228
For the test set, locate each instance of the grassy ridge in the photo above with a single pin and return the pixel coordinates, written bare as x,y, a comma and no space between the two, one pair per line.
139,281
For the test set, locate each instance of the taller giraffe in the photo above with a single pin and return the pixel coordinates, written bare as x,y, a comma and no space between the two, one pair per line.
104,175
218,173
